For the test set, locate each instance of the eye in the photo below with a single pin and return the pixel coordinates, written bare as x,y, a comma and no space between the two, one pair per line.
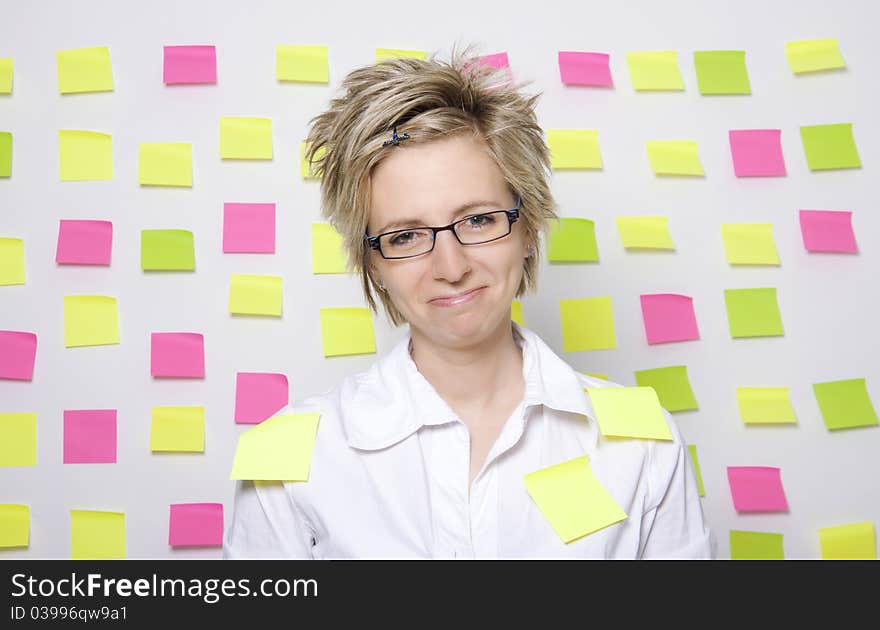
479,220
404,238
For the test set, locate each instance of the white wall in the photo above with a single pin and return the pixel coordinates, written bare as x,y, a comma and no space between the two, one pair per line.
828,302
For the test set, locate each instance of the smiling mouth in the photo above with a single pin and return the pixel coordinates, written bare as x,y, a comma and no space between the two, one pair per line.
458,298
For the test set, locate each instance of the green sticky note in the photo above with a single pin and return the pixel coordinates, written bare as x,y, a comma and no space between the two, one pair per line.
674,157
572,240
755,546
753,313
11,261
587,324
398,53
90,320
572,499
84,155
814,55
645,232
18,439
277,449
692,451
84,70
830,146
856,541
178,429
96,535
306,170
630,412
244,138
167,250
255,295
654,70
749,243
765,405
574,148
516,313
303,64
722,72
845,404
5,154
347,331
672,386
165,164
6,72
604,377
15,523
328,252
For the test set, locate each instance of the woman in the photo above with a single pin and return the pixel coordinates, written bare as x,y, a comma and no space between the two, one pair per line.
425,455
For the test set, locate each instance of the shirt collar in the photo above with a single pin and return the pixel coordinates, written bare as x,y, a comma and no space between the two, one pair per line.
392,399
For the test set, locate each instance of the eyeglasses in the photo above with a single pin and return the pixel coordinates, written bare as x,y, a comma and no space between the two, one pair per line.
471,230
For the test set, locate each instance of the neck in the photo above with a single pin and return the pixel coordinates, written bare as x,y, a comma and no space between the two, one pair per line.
471,376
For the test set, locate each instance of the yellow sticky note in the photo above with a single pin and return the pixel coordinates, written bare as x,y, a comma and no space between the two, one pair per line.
604,377
347,331
587,324
15,524
572,499
97,535
632,412
255,295
654,70
84,70
749,243
574,148
856,541
813,55
645,232
11,261
692,451
165,163
328,253
306,170
84,155
516,313
304,64
397,53
674,157
18,439
765,405
6,72
167,250
244,138
90,320
277,449
178,429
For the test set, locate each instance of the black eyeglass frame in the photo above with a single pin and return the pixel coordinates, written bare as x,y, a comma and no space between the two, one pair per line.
512,217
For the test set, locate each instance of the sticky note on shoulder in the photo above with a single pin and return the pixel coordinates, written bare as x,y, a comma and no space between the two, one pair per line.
167,250
572,240
574,148
572,499
15,524
97,535
346,331
278,449
302,64
631,412
84,70
18,439
814,55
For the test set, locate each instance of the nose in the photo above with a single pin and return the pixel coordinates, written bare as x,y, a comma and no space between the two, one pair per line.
448,260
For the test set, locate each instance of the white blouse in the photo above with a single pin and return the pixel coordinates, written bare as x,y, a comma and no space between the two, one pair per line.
390,467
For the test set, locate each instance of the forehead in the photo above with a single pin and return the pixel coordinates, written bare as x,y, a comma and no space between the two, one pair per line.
429,180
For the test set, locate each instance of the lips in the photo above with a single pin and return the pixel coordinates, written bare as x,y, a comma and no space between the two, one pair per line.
456,298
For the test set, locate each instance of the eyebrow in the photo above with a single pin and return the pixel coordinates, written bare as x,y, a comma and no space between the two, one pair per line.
415,222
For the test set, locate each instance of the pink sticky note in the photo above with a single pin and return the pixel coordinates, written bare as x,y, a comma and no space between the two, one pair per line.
584,68
669,317
90,436
18,351
828,231
190,64
249,228
756,489
497,60
179,355
84,242
756,152
258,395
192,524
